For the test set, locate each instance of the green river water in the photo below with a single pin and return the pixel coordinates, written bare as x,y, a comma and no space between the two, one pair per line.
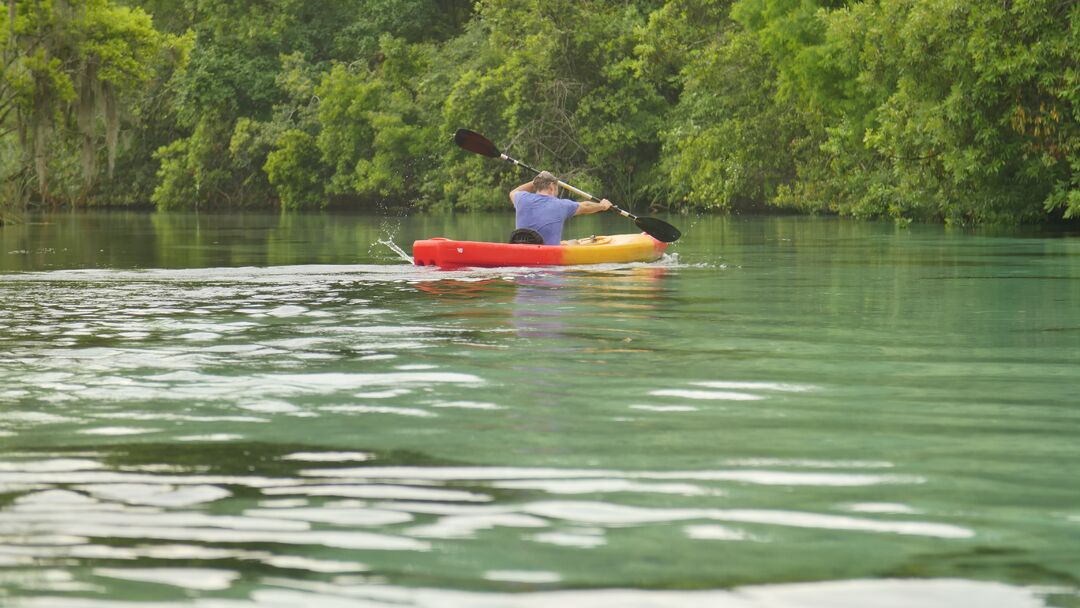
228,411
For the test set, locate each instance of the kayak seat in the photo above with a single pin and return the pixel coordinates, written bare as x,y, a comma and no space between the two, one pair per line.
526,236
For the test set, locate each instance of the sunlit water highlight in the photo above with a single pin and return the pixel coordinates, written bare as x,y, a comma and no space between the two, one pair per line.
784,413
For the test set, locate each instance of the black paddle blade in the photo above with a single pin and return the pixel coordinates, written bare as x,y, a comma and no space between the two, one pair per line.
476,143
658,229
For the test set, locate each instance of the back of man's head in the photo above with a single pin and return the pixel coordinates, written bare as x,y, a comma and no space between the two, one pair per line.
543,181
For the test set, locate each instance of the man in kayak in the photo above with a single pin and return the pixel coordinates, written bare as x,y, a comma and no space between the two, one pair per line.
539,208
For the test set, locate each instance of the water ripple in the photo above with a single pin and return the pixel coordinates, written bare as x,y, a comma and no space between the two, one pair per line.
364,436
933,593
789,478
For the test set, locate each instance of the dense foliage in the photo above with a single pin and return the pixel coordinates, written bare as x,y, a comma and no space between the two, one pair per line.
962,111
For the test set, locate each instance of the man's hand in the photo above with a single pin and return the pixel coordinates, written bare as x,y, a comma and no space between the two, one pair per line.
587,207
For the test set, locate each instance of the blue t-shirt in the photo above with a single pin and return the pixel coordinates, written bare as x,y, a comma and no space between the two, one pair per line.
544,214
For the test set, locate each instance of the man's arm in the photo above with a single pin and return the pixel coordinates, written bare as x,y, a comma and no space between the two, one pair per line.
587,207
526,187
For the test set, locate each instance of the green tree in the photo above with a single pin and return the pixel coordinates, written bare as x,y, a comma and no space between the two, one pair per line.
373,123
929,109
244,109
936,110
69,73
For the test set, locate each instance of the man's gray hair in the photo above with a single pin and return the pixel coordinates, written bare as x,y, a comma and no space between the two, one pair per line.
544,180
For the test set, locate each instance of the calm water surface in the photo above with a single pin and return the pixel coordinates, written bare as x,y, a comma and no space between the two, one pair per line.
260,410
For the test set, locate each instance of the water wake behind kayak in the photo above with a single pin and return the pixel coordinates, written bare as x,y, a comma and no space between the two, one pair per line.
314,273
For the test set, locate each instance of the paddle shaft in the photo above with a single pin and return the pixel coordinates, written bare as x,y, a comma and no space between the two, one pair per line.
563,184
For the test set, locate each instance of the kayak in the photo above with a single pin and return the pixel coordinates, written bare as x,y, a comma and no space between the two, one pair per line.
614,249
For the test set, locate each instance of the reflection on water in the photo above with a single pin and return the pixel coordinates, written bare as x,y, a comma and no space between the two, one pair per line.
838,427
542,298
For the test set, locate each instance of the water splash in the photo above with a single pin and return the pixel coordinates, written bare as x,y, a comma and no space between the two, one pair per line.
398,250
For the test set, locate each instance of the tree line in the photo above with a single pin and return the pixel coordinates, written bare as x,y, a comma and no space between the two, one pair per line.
961,111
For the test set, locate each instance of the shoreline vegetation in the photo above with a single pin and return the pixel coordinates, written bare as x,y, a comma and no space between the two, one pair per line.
915,110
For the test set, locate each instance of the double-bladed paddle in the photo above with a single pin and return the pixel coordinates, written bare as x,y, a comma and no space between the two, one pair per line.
478,144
